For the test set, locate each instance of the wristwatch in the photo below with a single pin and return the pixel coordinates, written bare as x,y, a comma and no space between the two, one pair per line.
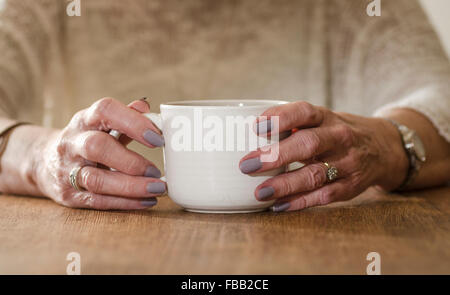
415,151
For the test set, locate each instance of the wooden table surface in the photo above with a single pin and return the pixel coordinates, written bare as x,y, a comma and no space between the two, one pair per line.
411,233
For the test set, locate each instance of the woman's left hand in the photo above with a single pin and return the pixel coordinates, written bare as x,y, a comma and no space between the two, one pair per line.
365,151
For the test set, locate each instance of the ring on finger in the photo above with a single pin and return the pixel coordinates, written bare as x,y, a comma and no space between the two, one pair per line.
332,172
73,178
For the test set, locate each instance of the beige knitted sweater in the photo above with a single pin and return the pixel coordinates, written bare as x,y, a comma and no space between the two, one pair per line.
328,52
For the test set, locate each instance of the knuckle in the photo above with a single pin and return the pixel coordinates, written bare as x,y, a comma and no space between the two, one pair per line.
282,113
276,111
315,176
129,186
87,200
62,143
346,135
363,153
91,180
97,111
61,179
353,162
77,118
134,166
103,104
301,203
67,197
326,196
61,147
92,145
286,112
309,141
307,111
286,186
282,159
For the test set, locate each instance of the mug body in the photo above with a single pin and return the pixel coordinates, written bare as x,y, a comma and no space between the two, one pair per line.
204,142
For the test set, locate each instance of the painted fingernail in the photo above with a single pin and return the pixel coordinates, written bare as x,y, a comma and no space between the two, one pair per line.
281,207
250,165
153,138
149,202
156,187
265,193
264,127
152,171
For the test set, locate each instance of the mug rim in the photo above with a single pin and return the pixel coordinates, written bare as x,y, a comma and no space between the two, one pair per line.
222,103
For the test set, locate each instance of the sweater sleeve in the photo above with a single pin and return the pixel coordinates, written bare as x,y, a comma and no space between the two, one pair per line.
388,61
29,43
432,102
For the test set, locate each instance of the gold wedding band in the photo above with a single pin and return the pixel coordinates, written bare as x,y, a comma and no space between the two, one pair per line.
332,172
73,178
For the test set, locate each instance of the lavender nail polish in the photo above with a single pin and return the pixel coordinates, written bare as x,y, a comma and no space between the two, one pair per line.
152,171
149,202
264,127
265,193
250,165
156,187
153,138
281,207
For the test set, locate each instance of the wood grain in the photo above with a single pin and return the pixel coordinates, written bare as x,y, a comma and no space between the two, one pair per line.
411,233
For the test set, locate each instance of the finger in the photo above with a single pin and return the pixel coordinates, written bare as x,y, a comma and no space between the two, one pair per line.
106,182
100,147
305,179
298,114
302,145
308,178
110,114
340,190
142,106
102,202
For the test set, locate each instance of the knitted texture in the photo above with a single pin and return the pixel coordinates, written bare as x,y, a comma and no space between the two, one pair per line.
328,52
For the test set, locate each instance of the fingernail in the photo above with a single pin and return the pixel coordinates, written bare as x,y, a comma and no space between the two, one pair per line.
144,99
156,187
281,207
265,193
149,202
152,171
153,138
250,165
264,127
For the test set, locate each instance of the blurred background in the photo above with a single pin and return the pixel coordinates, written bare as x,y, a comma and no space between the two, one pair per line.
438,12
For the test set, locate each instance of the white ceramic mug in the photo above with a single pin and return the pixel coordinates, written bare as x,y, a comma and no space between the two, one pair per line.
201,170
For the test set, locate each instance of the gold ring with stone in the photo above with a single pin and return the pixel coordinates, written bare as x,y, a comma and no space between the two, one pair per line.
332,172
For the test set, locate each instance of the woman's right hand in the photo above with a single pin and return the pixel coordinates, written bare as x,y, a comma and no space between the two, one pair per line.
84,142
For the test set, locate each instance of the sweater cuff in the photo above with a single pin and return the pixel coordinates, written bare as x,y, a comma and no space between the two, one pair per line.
431,102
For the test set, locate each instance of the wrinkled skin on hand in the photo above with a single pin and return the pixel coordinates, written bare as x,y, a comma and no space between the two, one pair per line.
133,183
366,152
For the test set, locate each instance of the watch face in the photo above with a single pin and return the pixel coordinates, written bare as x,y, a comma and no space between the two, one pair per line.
419,149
